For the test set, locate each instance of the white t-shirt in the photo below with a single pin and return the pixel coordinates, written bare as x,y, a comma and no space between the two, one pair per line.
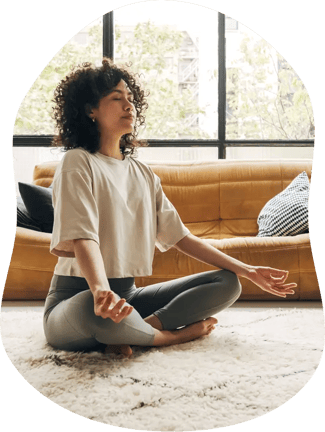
120,205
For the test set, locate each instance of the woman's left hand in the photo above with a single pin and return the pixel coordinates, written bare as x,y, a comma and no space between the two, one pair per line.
271,280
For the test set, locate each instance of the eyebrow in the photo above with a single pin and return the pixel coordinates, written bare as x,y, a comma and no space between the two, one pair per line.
121,92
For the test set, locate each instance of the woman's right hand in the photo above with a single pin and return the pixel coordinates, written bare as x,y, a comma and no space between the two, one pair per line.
107,304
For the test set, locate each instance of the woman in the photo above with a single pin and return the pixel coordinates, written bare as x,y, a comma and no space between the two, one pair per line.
109,213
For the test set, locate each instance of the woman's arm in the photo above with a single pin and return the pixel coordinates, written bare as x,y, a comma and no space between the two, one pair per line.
107,304
91,263
202,251
268,279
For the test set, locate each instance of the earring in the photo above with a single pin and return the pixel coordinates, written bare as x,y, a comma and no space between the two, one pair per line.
93,120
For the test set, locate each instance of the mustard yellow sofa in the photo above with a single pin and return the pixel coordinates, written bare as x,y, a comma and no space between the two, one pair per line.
219,201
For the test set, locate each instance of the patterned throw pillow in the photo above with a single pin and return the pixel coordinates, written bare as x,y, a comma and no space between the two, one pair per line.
287,213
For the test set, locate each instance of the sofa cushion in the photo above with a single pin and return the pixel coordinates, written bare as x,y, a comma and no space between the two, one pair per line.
38,203
287,213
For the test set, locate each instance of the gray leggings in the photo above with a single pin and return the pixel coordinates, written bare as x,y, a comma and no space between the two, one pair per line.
71,324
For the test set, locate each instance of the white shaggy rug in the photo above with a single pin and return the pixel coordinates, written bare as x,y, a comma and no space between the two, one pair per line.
252,363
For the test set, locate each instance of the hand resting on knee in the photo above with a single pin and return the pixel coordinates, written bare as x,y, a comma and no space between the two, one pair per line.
107,304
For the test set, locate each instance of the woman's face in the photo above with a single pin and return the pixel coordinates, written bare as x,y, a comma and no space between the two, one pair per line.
116,112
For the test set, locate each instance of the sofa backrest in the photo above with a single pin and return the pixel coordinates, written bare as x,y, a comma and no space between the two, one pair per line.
222,199
218,199
43,173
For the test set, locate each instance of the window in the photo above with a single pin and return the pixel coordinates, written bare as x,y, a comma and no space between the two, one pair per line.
169,51
265,100
217,90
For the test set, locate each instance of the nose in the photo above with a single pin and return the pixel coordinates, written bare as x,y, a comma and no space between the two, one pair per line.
129,106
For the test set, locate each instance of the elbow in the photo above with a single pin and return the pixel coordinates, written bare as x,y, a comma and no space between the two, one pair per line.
84,244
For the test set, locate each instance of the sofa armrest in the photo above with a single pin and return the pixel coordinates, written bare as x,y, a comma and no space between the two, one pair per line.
32,250
28,236
31,267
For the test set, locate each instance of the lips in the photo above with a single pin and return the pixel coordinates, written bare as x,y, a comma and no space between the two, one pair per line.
130,117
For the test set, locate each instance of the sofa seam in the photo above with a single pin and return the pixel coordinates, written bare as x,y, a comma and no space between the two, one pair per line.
249,248
31,268
299,271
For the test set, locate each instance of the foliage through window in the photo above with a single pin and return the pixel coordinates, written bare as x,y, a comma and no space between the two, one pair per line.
34,114
169,52
265,97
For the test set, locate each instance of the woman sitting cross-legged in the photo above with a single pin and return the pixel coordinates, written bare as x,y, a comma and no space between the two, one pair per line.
110,212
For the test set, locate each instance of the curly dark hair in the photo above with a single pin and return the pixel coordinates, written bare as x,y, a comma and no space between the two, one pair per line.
81,91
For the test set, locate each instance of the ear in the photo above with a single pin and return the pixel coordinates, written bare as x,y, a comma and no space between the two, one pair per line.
88,110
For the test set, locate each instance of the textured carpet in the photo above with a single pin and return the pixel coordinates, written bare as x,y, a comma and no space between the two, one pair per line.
251,364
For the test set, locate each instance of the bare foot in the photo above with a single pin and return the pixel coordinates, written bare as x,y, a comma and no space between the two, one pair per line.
170,337
124,350
185,334
196,330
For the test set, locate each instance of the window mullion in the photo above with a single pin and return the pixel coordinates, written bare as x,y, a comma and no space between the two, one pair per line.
108,35
221,85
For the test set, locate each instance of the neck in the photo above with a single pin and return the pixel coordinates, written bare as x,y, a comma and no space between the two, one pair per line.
110,146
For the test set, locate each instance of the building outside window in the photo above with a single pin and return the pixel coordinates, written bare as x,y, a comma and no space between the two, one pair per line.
245,102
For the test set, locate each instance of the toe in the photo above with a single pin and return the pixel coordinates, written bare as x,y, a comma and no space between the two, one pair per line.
212,320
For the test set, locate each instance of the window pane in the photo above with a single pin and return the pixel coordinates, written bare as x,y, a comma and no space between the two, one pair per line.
167,43
269,153
265,97
25,159
34,115
177,154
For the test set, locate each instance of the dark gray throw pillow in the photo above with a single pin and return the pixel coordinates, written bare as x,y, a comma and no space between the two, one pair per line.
23,217
38,203
287,213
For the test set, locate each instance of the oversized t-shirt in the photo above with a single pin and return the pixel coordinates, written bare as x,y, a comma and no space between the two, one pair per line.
120,204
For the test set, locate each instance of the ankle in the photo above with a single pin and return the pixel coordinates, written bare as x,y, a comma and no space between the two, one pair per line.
165,337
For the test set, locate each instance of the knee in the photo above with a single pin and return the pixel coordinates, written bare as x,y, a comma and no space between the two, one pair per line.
234,288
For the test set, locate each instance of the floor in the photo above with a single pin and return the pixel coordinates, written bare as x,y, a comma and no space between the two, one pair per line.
243,305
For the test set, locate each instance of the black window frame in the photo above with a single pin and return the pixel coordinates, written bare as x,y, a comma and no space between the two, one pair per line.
222,143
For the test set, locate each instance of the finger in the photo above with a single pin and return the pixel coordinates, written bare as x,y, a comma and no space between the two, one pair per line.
114,312
286,289
277,293
275,290
286,286
279,274
118,306
123,314
291,285
290,288
129,310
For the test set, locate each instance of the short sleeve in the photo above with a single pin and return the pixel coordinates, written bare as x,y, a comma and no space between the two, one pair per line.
75,211
170,228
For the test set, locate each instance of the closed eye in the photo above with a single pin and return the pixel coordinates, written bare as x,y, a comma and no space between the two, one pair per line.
131,101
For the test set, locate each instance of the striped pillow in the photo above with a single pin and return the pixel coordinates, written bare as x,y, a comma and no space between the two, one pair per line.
287,213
